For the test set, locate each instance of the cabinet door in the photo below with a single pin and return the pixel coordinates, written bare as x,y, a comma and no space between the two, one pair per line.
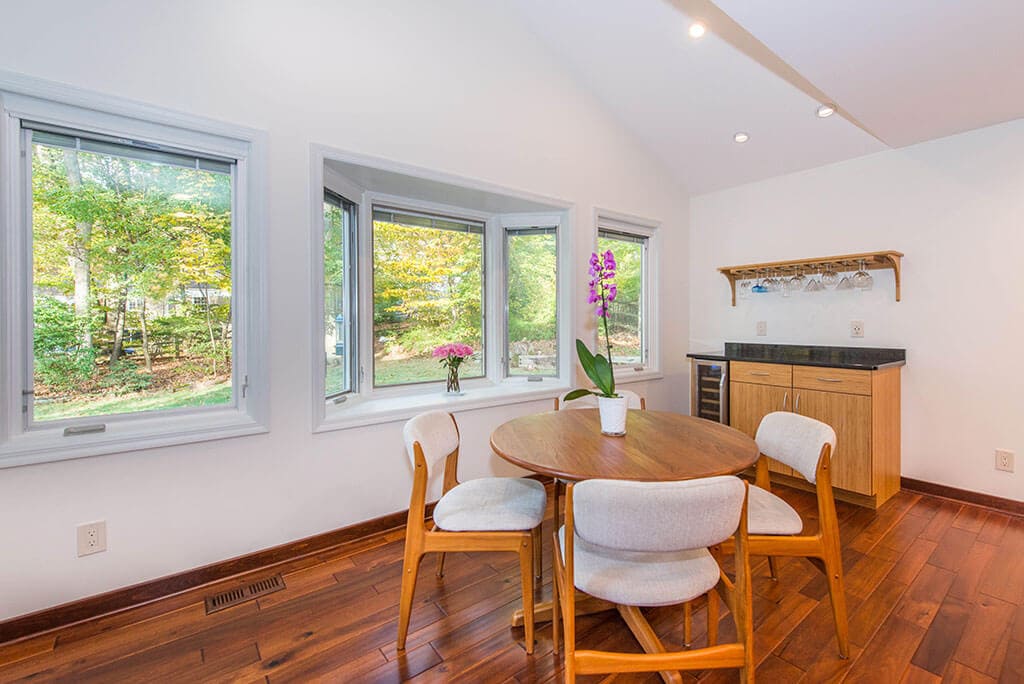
850,416
749,403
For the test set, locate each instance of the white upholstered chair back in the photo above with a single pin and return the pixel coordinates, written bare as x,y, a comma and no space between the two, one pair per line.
658,516
590,401
794,440
437,434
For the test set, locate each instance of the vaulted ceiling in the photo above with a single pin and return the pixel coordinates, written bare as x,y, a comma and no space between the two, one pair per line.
900,72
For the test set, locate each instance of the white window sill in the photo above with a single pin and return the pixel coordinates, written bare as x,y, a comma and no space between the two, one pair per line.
359,412
127,434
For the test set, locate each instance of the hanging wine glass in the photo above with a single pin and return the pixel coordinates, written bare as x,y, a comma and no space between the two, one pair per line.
829,277
798,281
863,280
745,287
813,285
760,287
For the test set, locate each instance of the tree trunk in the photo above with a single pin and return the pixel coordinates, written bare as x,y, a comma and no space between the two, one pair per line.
209,326
119,322
145,337
79,257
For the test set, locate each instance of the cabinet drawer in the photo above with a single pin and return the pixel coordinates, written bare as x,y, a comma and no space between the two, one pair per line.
832,379
780,375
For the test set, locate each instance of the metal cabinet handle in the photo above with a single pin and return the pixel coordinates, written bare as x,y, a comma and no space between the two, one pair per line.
759,373
829,380
785,400
796,409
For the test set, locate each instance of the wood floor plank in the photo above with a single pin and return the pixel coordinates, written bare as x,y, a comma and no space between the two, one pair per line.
989,621
943,636
888,655
934,589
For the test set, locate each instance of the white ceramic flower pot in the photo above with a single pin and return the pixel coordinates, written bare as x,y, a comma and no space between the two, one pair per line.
613,415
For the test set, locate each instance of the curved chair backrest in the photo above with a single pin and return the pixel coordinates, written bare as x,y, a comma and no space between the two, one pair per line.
437,435
795,440
658,516
633,401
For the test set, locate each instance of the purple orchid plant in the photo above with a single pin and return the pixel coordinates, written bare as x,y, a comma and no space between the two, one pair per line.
603,291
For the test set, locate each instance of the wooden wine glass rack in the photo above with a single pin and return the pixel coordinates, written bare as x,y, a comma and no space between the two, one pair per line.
844,262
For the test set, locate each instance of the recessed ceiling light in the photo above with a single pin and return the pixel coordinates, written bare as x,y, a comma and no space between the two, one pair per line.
697,30
826,110
741,137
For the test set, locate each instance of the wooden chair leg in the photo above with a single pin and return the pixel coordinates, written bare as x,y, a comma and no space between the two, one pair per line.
834,575
440,565
687,624
712,618
556,610
772,570
526,570
538,565
410,567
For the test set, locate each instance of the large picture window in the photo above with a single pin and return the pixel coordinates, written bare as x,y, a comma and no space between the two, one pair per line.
133,287
428,289
131,276
628,321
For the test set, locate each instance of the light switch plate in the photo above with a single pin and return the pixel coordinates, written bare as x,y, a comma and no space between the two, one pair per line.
762,328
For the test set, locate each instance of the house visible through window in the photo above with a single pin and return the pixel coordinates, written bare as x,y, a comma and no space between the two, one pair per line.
122,233
627,323
428,289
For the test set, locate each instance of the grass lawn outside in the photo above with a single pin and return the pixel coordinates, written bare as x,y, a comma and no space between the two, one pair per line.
212,395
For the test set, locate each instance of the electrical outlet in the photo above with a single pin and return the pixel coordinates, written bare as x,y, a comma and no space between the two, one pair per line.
762,328
1004,460
856,328
92,537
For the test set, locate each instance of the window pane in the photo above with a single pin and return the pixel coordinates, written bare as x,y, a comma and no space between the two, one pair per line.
339,222
427,291
131,282
532,301
626,324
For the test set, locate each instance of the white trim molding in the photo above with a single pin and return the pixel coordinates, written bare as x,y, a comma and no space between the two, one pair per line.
25,98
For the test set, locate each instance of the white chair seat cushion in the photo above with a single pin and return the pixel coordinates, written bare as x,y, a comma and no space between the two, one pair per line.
768,514
492,504
640,578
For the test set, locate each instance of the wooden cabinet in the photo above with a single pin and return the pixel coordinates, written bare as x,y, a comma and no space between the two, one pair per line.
862,406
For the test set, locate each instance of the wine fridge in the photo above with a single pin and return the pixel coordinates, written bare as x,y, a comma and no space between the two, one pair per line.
709,390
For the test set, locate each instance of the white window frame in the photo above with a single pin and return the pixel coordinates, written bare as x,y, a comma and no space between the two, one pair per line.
368,405
650,306
351,294
24,98
563,345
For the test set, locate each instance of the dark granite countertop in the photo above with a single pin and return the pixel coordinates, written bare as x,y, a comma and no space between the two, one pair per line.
859,358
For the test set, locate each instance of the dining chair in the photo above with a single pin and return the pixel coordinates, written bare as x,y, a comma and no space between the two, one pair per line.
633,401
645,544
485,514
775,529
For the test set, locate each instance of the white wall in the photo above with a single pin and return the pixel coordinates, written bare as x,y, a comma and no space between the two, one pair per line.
955,207
453,85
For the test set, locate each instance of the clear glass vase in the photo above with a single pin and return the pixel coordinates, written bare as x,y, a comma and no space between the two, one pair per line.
452,384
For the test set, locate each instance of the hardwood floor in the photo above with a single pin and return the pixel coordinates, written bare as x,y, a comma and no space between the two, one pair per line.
935,591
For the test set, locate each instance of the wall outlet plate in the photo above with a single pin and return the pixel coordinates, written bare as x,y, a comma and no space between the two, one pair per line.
92,537
762,328
856,328
1004,460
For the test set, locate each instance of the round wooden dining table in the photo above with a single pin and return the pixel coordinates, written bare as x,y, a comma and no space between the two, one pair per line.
658,447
